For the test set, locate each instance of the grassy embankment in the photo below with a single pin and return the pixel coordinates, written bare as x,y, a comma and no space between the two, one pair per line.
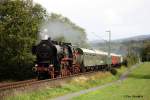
135,87
81,83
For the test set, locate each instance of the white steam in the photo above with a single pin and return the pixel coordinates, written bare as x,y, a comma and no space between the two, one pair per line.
57,29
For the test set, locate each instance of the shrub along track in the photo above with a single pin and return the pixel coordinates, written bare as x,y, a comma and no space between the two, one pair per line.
7,89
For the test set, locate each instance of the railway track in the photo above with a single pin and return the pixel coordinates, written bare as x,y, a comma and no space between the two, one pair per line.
19,84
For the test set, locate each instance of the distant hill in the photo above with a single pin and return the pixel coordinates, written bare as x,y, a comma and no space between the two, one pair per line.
121,46
135,38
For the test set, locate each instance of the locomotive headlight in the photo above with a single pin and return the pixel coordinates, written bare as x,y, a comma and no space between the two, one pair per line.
51,65
36,65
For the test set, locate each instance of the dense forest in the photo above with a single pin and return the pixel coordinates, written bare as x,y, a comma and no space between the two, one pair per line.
19,24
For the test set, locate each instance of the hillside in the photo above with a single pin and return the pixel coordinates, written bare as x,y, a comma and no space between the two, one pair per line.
135,38
121,46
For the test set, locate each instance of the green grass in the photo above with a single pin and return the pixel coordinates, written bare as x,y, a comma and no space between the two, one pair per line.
73,86
135,87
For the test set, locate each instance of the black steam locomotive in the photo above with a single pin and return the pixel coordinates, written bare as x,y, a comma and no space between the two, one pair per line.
54,59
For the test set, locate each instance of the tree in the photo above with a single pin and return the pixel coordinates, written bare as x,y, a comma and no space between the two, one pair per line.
19,25
145,52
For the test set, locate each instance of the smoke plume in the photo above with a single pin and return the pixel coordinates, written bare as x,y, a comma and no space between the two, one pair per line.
61,27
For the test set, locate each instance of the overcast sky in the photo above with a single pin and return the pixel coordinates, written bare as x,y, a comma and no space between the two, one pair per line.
125,18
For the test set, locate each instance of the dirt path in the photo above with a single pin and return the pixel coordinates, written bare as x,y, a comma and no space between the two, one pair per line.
71,95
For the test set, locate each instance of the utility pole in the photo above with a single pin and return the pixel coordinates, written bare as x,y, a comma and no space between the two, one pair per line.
109,50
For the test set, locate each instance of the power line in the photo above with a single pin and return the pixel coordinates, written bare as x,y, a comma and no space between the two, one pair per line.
98,37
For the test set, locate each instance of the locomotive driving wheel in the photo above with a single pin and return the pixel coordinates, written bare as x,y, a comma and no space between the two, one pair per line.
76,69
51,71
65,69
